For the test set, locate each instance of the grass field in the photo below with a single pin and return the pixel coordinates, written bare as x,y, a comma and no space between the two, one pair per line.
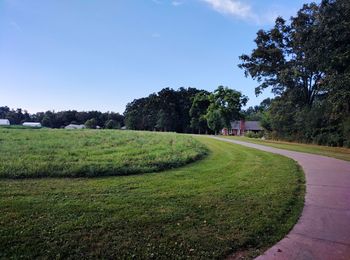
234,200
336,152
69,153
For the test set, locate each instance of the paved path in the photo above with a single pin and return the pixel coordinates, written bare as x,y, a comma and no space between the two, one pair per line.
323,230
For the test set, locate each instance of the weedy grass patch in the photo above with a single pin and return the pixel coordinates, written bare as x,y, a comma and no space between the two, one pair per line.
90,153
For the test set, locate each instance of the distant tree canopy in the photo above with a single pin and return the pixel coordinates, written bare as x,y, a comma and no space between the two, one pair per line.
257,113
185,110
63,118
306,64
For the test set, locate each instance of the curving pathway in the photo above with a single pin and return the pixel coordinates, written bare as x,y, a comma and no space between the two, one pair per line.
323,230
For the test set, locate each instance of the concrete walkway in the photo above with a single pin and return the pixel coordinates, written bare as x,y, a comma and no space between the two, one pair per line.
323,230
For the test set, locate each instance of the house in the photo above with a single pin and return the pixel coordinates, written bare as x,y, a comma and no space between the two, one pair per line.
4,122
31,124
74,126
241,127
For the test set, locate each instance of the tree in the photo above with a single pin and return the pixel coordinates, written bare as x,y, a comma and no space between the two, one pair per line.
257,113
284,57
334,59
162,122
167,110
228,102
198,112
91,123
112,124
214,119
306,63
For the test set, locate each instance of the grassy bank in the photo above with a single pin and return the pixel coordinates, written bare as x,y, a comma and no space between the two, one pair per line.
88,153
236,199
336,152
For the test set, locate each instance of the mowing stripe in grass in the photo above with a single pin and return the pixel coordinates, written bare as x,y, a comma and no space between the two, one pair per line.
234,199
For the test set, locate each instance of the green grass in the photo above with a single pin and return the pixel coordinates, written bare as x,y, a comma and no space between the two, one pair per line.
89,153
336,152
236,199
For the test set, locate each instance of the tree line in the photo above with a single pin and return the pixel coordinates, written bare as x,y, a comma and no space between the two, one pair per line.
306,63
60,119
186,110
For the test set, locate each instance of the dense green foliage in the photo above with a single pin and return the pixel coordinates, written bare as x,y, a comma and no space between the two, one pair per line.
236,199
306,63
251,134
168,110
112,124
87,153
60,119
185,110
91,123
225,106
257,113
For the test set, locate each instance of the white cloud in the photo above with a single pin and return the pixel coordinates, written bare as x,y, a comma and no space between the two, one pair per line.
16,26
157,2
176,3
155,35
246,12
232,7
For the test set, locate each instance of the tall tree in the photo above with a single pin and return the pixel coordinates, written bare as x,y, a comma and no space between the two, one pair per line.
284,60
214,119
198,112
229,103
306,63
167,110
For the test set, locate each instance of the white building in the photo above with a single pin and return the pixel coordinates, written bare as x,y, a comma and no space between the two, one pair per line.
4,122
31,124
73,126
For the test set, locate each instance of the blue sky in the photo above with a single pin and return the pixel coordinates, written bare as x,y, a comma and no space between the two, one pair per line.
100,55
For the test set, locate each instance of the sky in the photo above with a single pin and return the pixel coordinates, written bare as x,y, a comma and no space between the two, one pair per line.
102,54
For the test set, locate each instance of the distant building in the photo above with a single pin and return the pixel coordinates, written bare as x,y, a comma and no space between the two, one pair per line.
241,127
73,126
31,124
4,122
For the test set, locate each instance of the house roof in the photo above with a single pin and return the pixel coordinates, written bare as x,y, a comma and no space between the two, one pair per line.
235,125
74,126
252,125
32,124
4,121
248,125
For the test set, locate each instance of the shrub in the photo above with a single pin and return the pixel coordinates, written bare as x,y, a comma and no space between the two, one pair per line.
91,123
254,135
112,124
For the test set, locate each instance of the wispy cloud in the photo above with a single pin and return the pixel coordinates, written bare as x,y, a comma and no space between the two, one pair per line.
231,7
173,2
239,9
16,26
155,35
176,3
244,11
157,2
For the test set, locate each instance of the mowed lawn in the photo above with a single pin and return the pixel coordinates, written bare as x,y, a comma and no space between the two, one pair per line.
236,199
89,153
336,152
